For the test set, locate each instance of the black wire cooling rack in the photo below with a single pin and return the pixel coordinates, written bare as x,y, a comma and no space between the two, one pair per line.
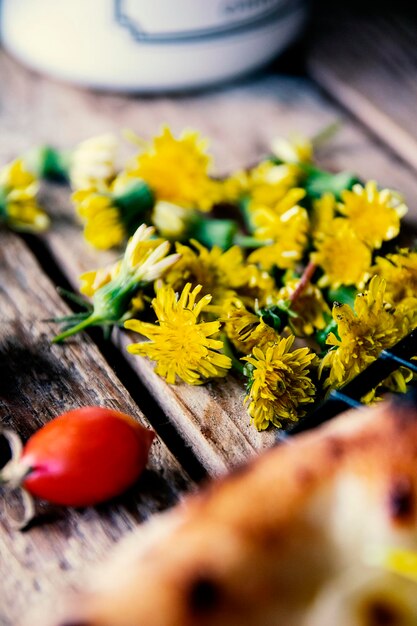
349,396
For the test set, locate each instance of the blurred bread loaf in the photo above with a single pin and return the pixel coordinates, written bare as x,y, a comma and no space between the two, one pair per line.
285,540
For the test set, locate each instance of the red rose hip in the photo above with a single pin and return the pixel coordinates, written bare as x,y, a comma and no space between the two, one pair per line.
83,457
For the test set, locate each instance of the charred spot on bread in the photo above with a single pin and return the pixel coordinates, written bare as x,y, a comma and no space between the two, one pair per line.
381,612
335,447
401,499
204,595
305,475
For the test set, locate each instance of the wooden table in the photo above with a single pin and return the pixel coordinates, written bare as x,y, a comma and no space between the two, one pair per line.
200,430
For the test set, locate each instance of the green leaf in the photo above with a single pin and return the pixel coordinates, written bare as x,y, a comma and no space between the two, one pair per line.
74,297
136,200
3,206
319,182
50,163
344,295
247,241
214,232
72,318
246,214
275,317
321,335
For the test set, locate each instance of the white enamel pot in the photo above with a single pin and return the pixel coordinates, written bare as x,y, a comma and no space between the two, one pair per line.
148,45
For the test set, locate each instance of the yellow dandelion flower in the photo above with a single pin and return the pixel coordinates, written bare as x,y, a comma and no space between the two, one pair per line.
259,287
143,262
222,274
245,329
171,220
288,236
372,326
282,255
15,176
93,280
176,169
400,274
310,307
268,184
288,200
271,224
395,383
374,215
142,247
92,163
343,257
103,228
180,344
23,213
322,214
279,383
18,206
296,149
111,215
233,188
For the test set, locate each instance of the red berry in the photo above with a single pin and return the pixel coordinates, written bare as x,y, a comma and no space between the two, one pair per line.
85,456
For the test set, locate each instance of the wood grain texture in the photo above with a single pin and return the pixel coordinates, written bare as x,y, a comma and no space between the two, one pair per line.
369,64
240,121
37,382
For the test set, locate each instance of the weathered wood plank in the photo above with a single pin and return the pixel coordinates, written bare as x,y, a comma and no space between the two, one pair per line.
369,64
37,382
240,122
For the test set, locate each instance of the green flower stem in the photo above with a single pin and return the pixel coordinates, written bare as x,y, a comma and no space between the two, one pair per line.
91,320
319,182
110,304
228,351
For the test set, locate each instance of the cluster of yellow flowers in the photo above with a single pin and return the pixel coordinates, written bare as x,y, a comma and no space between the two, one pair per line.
274,272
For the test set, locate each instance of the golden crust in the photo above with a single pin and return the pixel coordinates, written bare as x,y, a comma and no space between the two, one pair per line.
258,547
